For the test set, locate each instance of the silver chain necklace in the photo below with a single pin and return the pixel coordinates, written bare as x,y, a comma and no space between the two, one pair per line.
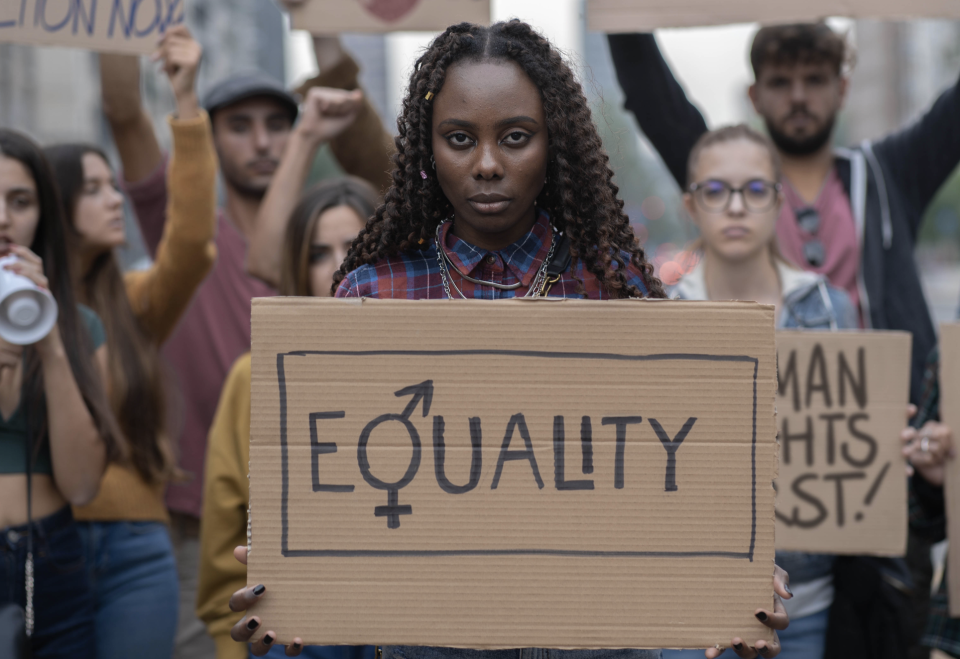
535,286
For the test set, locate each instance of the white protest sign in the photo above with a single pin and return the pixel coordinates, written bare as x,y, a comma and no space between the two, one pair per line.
121,26
332,16
645,15
841,406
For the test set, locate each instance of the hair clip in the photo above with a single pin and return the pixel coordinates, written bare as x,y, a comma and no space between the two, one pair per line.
423,175
429,96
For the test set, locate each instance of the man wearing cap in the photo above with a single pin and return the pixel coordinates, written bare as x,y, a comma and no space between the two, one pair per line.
253,119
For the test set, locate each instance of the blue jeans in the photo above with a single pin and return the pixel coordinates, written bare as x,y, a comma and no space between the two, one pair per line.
803,639
62,601
133,578
327,652
408,652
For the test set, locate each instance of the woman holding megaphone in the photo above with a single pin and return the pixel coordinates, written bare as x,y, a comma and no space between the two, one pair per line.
130,557
56,430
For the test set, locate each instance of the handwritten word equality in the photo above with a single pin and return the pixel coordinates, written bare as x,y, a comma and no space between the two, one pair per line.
517,425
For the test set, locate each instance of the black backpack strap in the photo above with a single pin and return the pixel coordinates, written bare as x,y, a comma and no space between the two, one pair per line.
561,258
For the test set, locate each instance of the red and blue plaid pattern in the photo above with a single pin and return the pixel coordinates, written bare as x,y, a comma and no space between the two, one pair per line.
415,275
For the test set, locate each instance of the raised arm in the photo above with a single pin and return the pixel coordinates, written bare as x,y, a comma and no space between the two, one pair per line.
129,122
669,120
132,131
920,158
325,114
186,252
365,148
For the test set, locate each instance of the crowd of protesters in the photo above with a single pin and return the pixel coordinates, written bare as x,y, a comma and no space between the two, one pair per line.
122,536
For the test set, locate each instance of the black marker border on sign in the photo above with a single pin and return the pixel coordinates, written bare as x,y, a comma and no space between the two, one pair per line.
353,553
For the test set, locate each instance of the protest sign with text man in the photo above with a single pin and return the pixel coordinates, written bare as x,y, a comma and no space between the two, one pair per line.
851,214
254,133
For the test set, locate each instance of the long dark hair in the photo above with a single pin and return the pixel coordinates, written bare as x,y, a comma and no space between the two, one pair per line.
136,376
580,195
50,244
349,191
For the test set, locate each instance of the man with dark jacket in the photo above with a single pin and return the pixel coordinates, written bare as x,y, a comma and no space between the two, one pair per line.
850,214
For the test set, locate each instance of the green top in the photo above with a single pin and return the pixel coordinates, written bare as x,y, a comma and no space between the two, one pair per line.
13,431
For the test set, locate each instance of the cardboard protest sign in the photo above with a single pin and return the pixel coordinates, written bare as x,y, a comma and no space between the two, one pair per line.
332,16
950,415
123,26
503,474
645,15
841,405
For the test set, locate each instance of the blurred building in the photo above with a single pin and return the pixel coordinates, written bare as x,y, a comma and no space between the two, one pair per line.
899,71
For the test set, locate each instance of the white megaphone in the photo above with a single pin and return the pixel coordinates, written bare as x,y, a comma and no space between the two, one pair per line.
27,312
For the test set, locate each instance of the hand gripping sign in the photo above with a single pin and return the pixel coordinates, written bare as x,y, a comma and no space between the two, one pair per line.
512,474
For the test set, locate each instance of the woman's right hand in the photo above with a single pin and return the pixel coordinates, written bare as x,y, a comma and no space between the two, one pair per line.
30,265
181,54
244,630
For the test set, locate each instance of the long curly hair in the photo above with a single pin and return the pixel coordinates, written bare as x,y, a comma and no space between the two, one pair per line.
579,195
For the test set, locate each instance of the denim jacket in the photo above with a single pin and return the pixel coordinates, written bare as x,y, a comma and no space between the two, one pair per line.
809,302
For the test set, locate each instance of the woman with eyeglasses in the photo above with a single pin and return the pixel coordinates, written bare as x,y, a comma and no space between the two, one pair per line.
734,199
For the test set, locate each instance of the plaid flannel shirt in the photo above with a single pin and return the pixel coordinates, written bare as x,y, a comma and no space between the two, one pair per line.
415,275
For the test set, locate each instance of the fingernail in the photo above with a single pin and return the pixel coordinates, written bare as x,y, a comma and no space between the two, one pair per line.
738,646
253,624
762,617
267,640
787,588
258,590
296,646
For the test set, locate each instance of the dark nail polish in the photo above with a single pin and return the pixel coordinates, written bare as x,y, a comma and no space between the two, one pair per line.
253,624
267,640
258,590
787,588
738,646
762,617
296,646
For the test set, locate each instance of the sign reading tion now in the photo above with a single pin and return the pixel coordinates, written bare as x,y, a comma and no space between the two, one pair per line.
516,473
124,26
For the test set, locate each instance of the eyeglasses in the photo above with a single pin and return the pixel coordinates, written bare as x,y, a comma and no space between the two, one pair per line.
714,196
808,219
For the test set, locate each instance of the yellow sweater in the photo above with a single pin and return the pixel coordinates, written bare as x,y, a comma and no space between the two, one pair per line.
223,524
160,295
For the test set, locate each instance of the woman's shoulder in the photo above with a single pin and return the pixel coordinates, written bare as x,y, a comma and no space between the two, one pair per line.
406,275
635,277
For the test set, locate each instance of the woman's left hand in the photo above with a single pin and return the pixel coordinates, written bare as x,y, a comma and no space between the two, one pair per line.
776,620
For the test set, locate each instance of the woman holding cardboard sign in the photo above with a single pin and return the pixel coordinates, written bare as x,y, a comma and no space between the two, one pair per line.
56,430
501,189
735,200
